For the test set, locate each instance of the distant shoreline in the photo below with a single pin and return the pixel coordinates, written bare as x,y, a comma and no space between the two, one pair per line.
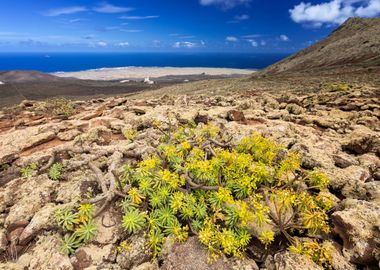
139,73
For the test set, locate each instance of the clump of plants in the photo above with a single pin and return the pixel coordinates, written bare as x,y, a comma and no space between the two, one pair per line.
130,134
59,107
78,226
338,87
55,171
198,183
29,170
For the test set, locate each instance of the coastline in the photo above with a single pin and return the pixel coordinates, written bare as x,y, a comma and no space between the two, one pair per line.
139,73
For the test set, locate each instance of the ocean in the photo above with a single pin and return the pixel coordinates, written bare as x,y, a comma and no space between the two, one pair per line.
55,62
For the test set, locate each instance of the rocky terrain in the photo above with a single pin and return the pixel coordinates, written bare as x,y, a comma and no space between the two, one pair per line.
336,130
329,116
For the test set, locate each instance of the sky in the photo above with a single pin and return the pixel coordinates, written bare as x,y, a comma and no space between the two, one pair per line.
251,26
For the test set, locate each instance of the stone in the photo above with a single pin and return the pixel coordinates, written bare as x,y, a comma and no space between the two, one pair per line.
290,261
356,226
344,160
3,241
68,135
109,227
136,253
46,254
192,255
201,118
350,181
32,196
362,140
237,116
42,220
14,235
147,266
293,108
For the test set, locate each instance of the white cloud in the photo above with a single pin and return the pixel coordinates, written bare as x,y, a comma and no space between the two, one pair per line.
242,17
333,12
232,39
253,42
138,17
263,43
123,44
65,11
108,8
102,44
188,44
284,37
252,36
226,4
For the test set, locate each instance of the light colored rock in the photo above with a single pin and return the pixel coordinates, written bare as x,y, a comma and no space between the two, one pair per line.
46,254
32,196
91,255
42,220
356,225
68,135
290,261
192,255
147,266
136,253
109,227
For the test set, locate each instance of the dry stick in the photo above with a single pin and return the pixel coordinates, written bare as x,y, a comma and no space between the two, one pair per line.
112,192
194,185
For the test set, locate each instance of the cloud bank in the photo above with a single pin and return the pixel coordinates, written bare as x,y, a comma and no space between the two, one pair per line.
108,8
65,11
333,12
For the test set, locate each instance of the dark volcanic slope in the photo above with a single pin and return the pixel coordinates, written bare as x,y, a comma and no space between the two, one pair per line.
18,76
355,44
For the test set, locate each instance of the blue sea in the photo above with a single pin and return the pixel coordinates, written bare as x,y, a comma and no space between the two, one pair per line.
54,62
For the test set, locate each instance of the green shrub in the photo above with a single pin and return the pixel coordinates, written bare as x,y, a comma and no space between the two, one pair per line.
78,226
227,195
338,87
55,171
29,170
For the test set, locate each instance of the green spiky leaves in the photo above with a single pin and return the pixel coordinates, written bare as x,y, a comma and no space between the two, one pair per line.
55,171
198,183
78,225
133,221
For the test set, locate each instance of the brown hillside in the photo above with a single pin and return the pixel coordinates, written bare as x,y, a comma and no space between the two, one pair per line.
355,44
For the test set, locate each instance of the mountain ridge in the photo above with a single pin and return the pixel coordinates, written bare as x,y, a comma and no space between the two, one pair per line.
354,44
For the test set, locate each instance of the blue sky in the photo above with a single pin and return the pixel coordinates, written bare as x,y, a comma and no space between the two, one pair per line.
173,25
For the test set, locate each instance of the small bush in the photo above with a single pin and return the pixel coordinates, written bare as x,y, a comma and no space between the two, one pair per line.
78,226
338,87
199,184
29,170
55,171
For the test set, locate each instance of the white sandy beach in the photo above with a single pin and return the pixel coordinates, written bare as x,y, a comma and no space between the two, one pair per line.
138,73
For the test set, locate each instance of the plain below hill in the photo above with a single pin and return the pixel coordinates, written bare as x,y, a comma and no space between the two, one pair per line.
353,45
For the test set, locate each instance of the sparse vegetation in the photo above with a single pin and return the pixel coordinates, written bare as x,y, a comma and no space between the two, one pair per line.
130,134
55,171
338,87
29,170
198,183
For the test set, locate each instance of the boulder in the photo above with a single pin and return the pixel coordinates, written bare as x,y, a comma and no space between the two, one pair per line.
362,140
290,261
46,254
135,254
192,255
358,226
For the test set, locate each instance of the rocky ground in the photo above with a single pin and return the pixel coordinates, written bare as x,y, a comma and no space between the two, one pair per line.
337,130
